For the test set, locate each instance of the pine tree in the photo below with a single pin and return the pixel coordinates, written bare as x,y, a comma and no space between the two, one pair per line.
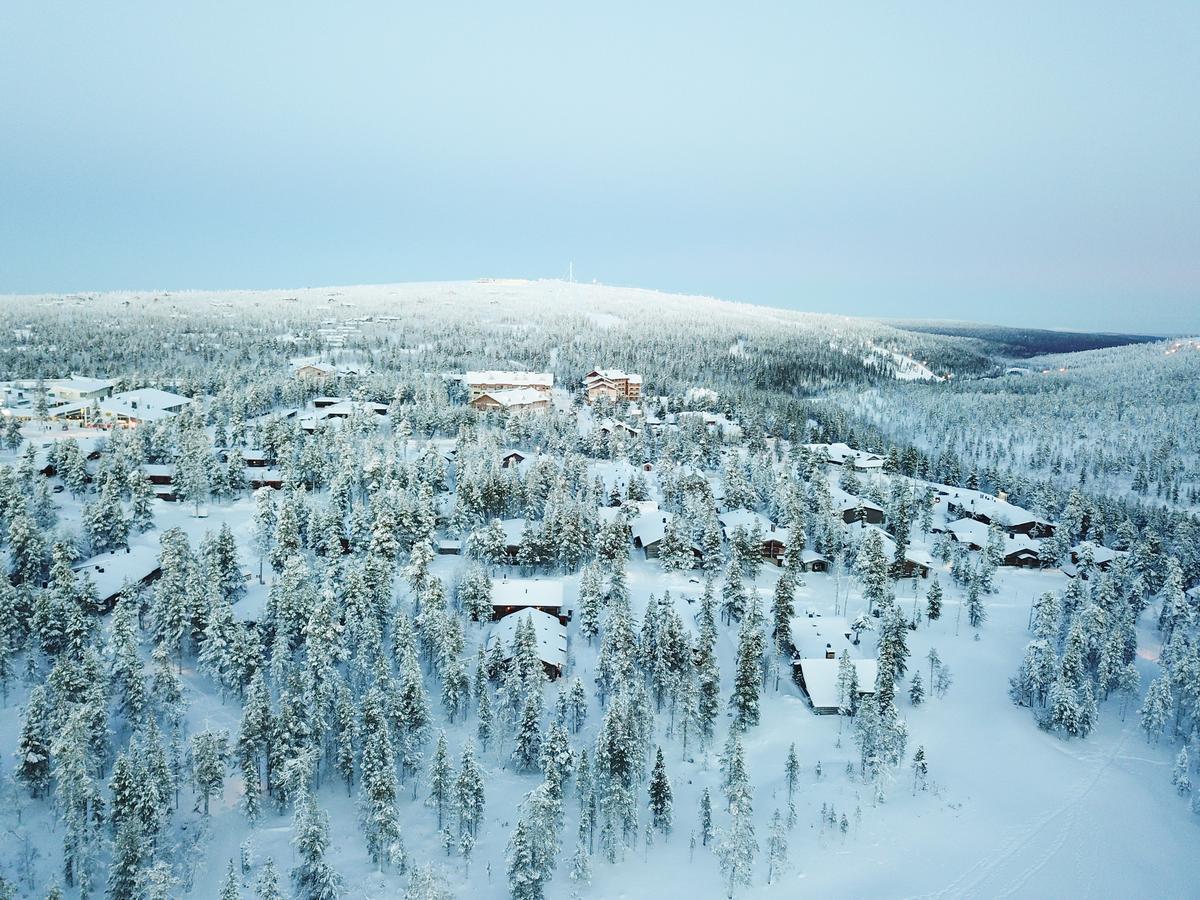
1156,708
440,778
267,886
660,796
469,792
230,888
933,600
777,849
916,692
33,746
315,879
706,819
920,769
209,754
782,611
532,846
378,791
1181,776
744,701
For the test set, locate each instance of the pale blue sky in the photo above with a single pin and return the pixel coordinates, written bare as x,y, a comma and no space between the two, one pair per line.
1023,162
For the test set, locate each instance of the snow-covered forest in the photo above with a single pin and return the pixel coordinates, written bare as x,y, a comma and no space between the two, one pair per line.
296,607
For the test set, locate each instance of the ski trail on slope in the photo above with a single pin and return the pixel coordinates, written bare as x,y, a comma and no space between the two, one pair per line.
969,882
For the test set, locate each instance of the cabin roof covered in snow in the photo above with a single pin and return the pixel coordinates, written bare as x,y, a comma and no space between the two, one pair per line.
980,503
527,592
110,571
843,501
82,384
821,678
517,396
551,635
649,528
1100,553
542,379
745,518
810,634
611,375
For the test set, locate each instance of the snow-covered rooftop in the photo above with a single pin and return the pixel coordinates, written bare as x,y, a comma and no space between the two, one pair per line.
530,379
821,678
650,527
745,518
109,572
527,592
517,396
551,635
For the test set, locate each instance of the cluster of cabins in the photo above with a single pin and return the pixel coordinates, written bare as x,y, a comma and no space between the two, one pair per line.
976,511
94,402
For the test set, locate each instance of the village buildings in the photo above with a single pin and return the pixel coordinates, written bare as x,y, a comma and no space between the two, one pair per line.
513,400
491,382
611,384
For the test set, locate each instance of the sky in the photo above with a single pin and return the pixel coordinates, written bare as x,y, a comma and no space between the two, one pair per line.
1024,163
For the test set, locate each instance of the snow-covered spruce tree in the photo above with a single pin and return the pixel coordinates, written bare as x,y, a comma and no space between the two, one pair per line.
933,600
675,550
209,752
267,885
708,700
920,768
379,790
440,778
706,819
737,846
976,612
744,700
783,609
230,888
427,883
315,879
777,848
1181,776
557,757
475,594
916,690
533,846
590,595
468,796
872,566
661,814
33,745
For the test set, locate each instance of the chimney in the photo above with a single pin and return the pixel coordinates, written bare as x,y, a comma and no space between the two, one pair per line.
829,654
